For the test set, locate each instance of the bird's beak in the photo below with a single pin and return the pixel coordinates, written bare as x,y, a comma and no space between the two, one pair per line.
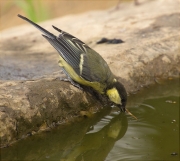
122,108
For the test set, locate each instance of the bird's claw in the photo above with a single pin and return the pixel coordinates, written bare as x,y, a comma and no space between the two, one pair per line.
72,82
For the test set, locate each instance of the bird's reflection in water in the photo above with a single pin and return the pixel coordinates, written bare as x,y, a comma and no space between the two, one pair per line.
97,145
90,139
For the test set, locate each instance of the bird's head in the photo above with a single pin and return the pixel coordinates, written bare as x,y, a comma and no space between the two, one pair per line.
118,95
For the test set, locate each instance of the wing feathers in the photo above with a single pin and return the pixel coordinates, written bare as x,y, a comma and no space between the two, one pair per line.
85,61
63,50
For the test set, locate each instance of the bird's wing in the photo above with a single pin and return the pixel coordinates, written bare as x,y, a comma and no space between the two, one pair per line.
95,67
85,61
70,49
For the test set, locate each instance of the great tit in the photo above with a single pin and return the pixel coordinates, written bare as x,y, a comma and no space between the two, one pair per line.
84,66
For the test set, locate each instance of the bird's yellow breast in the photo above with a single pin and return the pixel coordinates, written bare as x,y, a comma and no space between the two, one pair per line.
95,85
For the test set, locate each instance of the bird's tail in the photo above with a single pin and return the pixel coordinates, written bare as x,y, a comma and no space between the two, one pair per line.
47,33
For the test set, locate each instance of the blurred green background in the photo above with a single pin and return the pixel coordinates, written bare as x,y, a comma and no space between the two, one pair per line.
40,10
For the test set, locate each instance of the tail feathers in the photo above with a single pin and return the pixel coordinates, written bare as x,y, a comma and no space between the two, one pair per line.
47,33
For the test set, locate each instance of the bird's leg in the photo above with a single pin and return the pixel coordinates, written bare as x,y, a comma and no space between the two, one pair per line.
64,79
74,83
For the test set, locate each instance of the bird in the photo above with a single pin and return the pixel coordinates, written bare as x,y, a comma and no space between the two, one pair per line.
84,66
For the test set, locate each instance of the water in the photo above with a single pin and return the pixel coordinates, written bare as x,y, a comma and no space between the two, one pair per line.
113,136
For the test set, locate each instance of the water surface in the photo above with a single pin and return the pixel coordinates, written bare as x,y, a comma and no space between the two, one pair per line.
113,136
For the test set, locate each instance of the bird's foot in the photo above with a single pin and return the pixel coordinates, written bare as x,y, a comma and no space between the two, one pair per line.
64,79
75,84
72,82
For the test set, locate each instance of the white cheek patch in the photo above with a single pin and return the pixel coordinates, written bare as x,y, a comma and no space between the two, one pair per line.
114,96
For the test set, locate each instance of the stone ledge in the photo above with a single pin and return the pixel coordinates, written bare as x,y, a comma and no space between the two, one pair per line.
31,96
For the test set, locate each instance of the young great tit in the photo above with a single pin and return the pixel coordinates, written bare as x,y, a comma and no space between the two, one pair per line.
84,66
